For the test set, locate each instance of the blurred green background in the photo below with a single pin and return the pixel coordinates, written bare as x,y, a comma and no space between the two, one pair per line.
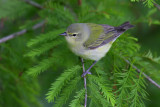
20,90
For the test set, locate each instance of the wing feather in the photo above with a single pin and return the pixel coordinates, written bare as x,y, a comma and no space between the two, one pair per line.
100,35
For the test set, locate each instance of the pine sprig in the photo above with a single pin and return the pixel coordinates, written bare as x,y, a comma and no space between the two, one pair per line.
9,8
123,91
45,37
150,57
60,12
41,67
78,98
94,103
96,95
153,64
106,91
66,92
56,86
138,92
44,47
130,49
149,3
131,88
50,53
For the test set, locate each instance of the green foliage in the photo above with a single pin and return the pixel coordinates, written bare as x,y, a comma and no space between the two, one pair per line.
113,82
44,37
136,95
152,63
96,96
149,3
42,66
14,84
60,82
78,98
131,47
100,91
106,91
131,88
66,93
8,11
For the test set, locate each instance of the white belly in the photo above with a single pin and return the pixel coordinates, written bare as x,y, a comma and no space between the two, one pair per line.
92,54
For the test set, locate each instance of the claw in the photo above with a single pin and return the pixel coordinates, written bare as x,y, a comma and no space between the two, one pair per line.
85,73
89,73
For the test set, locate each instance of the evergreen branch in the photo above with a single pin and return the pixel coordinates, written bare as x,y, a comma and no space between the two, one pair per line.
11,36
124,83
19,33
146,76
95,94
78,98
94,103
157,6
42,66
149,3
44,37
138,92
106,91
66,92
46,63
57,86
85,84
34,4
42,49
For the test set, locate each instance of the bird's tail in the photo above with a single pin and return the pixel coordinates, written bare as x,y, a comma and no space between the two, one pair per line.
123,27
126,25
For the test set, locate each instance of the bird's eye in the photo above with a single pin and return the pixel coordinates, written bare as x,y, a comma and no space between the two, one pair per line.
74,34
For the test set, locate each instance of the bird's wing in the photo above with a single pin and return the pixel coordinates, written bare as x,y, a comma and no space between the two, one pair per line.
103,34
100,35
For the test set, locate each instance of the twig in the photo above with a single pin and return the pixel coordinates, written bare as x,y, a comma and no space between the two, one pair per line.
36,26
85,83
146,76
2,20
79,2
11,36
157,5
34,4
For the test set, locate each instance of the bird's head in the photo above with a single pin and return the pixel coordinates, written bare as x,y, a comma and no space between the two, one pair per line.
76,33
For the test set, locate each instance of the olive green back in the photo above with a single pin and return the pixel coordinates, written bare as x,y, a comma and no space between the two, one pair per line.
98,35
95,32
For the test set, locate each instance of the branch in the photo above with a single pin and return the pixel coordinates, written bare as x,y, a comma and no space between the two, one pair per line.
36,26
79,2
146,76
85,84
157,5
11,36
34,4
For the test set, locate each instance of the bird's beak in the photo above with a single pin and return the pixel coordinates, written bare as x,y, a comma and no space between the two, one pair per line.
63,34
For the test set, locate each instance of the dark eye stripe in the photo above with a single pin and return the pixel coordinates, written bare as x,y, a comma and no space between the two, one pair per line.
74,34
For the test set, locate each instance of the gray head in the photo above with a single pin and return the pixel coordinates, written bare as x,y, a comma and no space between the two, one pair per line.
76,33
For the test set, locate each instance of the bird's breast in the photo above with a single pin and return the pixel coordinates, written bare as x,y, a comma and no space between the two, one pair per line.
92,54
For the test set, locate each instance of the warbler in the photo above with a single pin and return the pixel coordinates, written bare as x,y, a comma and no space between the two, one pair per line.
92,41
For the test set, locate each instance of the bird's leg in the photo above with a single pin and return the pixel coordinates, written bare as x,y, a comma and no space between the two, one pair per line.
87,72
85,83
83,64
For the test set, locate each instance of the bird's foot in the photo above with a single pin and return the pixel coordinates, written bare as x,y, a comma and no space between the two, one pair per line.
85,73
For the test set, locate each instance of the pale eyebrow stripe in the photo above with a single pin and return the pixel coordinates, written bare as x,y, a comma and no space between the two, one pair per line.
72,33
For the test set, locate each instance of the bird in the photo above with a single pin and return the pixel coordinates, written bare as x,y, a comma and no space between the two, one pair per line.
92,41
